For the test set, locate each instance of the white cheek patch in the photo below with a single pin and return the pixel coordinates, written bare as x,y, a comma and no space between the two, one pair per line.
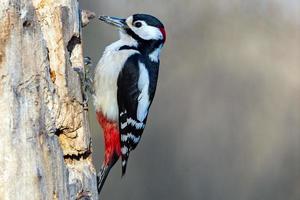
147,32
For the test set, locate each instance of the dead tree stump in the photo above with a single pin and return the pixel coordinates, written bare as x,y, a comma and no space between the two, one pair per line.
45,144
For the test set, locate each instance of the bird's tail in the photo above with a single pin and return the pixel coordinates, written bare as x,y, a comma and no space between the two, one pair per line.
104,171
124,163
101,177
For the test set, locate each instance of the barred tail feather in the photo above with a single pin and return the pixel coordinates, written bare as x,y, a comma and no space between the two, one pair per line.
101,176
104,171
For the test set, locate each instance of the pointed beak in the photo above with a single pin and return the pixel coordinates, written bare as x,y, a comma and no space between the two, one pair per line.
118,22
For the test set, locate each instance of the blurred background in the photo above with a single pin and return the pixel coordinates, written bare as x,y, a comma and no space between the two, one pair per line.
225,123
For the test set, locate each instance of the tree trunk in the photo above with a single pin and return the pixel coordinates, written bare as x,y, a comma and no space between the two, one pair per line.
45,144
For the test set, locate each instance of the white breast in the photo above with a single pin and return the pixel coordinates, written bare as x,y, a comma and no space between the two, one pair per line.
105,80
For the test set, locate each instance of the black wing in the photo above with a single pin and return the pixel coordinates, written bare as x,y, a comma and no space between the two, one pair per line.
136,88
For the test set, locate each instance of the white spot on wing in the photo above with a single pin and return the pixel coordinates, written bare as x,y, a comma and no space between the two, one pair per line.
124,150
124,138
122,113
137,125
135,139
123,125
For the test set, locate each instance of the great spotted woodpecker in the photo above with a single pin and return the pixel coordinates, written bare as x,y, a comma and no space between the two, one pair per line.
124,86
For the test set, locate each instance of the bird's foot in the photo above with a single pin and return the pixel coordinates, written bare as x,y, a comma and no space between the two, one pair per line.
85,80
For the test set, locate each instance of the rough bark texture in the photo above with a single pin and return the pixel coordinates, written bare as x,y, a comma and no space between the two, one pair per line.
45,145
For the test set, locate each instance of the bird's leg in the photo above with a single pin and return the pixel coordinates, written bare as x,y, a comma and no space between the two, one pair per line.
88,67
86,80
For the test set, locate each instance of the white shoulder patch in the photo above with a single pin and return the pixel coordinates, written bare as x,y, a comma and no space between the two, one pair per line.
143,85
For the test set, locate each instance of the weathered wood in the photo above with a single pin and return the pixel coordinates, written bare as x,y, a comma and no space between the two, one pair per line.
86,16
45,144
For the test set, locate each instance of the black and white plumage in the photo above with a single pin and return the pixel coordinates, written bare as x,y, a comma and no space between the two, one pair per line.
125,81
136,89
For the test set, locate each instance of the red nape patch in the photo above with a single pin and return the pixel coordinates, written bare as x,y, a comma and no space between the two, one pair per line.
111,137
163,31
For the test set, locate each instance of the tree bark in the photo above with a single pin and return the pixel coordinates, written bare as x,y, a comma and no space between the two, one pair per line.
45,144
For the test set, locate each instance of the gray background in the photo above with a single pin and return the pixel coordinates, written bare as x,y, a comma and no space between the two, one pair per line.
225,123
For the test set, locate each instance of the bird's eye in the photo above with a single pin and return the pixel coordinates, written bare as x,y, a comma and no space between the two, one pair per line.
137,24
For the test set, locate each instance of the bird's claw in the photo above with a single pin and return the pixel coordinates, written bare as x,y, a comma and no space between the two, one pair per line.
87,61
85,103
85,79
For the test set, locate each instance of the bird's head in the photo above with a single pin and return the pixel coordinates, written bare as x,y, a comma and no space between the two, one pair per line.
143,28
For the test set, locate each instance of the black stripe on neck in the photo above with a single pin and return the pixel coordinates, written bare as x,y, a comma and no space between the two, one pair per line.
126,47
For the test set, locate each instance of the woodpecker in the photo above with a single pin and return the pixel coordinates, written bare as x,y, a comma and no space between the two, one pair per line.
124,86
